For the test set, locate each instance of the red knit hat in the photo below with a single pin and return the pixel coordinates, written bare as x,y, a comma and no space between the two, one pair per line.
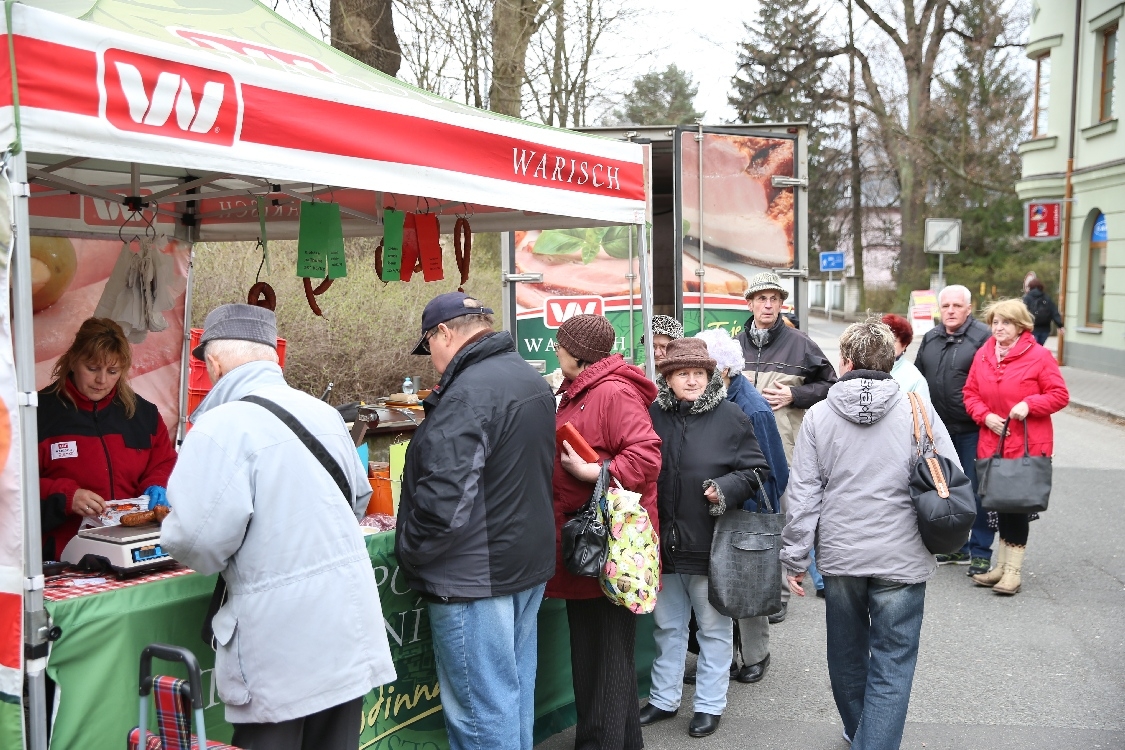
587,337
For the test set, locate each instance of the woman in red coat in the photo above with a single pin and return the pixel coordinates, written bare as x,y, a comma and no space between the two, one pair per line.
607,401
1013,377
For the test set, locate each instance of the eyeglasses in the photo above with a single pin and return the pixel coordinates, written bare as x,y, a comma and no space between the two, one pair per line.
426,341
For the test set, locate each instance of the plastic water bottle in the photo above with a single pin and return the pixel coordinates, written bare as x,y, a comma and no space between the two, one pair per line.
408,386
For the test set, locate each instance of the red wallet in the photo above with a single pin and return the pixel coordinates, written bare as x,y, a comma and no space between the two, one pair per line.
568,433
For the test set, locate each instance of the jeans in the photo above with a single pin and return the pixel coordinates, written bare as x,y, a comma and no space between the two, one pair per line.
678,597
981,537
486,655
814,574
873,632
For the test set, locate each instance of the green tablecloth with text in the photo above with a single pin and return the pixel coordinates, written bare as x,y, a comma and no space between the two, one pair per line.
96,661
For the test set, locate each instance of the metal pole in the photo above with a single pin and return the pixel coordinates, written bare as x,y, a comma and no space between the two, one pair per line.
185,351
1068,192
631,277
36,624
701,271
828,297
646,298
941,271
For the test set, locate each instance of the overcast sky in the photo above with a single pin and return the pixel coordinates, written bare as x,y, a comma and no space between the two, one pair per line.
700,36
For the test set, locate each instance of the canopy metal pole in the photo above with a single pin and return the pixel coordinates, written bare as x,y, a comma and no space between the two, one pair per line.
702,270
631,277
646,298
35,618
185,351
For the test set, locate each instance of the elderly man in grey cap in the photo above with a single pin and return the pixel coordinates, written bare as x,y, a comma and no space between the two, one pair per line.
787,368
298,639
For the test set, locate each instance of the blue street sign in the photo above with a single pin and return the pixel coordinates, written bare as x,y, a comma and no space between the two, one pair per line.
831,262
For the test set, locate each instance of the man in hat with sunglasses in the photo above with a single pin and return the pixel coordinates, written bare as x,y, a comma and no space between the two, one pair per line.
476,532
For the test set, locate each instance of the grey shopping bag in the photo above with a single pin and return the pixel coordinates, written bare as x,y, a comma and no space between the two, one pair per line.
745,570
1014,485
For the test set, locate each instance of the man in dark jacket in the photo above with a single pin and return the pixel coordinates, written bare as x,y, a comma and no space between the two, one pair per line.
787,368
944,359
1043,311
475,532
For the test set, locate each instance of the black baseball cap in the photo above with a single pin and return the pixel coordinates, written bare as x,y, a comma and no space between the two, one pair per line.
443,308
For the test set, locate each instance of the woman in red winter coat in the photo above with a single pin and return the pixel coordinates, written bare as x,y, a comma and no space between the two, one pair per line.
606,401
1013,377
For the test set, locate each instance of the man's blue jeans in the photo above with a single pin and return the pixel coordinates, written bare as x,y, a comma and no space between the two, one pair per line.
486,656
981,538
873,631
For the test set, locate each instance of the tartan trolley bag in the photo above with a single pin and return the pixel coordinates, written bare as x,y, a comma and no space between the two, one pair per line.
176,701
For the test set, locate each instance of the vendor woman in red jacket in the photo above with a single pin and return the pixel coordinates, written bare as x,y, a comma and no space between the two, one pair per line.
1012,377
606,400
98,440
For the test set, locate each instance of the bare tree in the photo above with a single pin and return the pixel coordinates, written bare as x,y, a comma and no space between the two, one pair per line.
514,23
365,30
916,36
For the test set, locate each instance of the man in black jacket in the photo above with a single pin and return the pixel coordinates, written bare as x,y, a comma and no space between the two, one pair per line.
944,359
476,531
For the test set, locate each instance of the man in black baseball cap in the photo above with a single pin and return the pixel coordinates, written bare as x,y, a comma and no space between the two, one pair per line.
476,534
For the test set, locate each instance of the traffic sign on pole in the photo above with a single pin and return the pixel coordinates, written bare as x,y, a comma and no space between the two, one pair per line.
833,261
943,236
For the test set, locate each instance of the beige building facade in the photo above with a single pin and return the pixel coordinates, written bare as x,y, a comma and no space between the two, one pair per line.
1087,125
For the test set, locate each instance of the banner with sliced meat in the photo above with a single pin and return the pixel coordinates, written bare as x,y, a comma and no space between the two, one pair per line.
156,361
746,225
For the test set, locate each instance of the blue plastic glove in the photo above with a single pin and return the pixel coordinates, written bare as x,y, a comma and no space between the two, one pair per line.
156,496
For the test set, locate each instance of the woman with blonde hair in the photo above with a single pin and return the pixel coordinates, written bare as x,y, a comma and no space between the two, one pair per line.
1012,377
98,440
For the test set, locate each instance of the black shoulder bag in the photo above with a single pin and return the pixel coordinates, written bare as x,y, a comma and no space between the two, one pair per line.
219,596
941,492
584,541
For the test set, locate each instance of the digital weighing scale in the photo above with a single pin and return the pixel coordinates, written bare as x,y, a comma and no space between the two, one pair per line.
124,549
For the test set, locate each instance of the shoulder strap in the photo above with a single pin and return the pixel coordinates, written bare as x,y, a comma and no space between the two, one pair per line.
918,407
315,446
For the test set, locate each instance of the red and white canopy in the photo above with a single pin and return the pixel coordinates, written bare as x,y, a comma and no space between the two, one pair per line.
154,99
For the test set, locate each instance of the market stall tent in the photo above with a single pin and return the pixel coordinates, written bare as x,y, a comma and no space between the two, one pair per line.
182,114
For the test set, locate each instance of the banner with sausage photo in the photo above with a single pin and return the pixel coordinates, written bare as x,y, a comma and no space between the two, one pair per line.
140,285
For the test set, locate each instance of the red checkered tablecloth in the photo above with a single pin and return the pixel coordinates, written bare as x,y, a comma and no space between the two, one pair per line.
71,585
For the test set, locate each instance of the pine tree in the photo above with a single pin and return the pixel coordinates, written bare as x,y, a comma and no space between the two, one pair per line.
660,98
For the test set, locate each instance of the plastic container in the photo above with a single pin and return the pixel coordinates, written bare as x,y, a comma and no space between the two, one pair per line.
381,499
199,383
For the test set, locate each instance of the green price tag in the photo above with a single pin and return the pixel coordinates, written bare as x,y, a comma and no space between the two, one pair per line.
392,244
320,242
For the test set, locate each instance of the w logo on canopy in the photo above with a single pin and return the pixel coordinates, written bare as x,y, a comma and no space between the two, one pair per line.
149,95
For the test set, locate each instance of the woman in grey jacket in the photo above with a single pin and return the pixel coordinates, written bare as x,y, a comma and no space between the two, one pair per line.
848,491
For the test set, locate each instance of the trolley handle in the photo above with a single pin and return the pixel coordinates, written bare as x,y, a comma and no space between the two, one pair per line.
172,653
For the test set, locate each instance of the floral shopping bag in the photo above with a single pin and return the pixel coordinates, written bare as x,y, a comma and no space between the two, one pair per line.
631,574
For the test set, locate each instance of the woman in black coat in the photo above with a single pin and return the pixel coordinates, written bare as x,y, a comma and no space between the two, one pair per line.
710,462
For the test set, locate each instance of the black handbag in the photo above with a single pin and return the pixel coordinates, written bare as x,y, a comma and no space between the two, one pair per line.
744,574
1014,485
584,541
219,595
941,492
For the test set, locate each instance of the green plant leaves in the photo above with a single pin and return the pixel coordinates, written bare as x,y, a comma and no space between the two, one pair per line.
587,242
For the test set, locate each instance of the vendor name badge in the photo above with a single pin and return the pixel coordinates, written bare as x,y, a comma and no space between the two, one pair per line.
68,449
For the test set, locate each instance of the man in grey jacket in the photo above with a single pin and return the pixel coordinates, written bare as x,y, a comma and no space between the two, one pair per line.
848,493
299,639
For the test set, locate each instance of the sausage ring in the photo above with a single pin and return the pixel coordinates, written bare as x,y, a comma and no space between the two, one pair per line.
138,519
311,293
262,295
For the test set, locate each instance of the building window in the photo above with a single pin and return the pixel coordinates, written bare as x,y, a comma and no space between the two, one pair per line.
1042,95
1095,282
1109,61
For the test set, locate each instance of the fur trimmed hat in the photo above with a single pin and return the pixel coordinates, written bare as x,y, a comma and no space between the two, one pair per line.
587,338
686,354
668,326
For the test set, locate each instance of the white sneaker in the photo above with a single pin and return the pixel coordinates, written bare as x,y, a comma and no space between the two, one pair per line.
847,739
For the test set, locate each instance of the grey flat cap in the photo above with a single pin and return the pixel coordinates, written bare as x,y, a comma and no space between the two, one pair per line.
241,322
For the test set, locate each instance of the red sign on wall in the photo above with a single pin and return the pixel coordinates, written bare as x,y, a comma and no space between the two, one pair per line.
558,310
1042,220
